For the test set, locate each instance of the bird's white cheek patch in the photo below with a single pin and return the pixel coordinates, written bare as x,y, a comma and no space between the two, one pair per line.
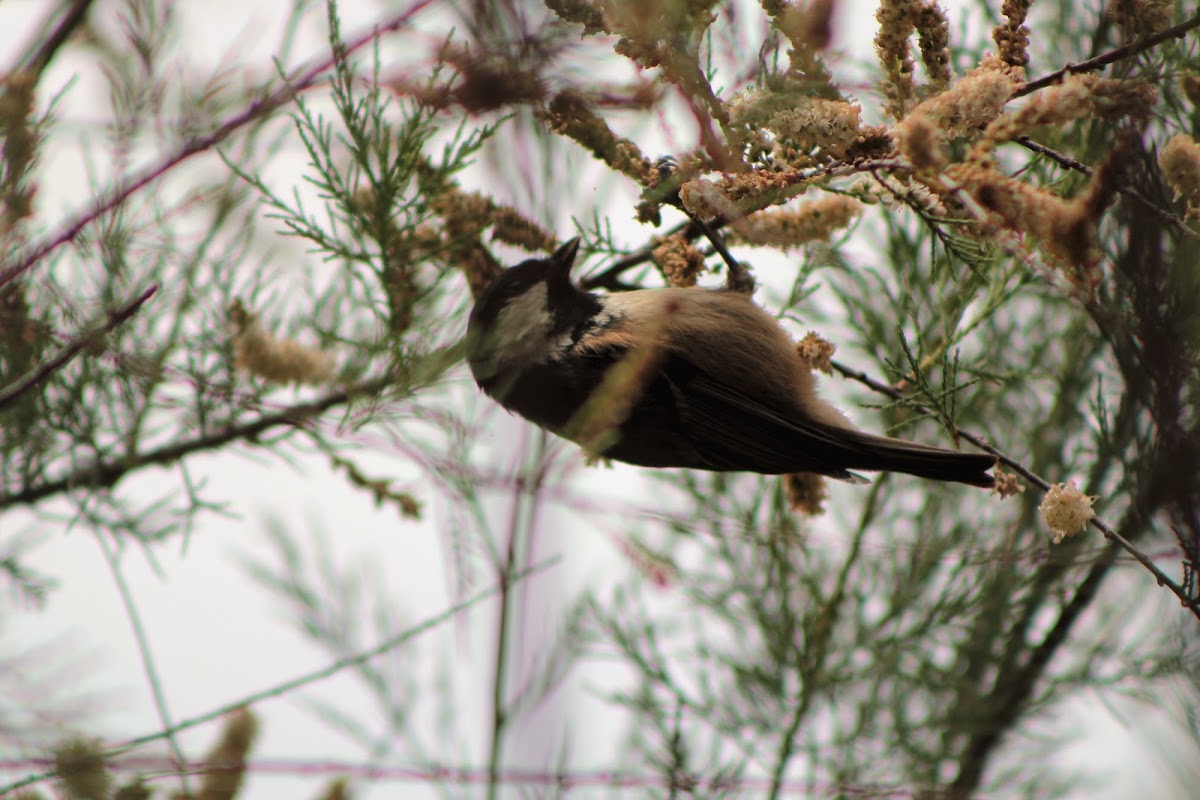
523,325
561,345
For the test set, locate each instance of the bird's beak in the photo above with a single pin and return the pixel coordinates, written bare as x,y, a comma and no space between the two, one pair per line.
564,258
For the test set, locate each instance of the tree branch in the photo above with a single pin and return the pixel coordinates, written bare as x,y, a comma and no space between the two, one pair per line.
610,277
1010,694
107,473
1104,59
299,682
42,53
1069,162
1190,603
44,370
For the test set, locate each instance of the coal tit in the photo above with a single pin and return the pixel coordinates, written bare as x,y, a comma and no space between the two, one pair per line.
715,382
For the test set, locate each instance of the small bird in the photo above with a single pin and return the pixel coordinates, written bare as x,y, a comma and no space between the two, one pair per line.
678,377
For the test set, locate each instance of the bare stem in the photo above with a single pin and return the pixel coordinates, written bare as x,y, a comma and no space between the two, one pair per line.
148,663
42,53
521,525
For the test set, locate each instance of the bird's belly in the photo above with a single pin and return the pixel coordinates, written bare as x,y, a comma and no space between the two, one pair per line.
541,394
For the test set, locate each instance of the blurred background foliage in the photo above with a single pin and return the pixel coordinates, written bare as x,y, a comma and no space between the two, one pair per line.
1009,260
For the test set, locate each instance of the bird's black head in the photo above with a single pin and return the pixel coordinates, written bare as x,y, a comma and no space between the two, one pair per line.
522,311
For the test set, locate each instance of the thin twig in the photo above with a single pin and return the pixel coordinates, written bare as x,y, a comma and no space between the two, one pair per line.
525,498
532,782
609,278
1070,162
503,635
307,678
41,54
148,664
1190,603
1104,59
304,79
72,348
107,473
818,644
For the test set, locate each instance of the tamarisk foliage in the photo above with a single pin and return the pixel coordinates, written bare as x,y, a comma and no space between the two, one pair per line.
992,215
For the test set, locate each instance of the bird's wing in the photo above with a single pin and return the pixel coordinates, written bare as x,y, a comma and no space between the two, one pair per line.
735,432
684,417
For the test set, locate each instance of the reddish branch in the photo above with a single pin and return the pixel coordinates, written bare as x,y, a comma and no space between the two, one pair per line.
43,53
304,79
309,678
610,277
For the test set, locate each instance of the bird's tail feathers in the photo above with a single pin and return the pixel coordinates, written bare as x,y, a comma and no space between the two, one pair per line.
882,453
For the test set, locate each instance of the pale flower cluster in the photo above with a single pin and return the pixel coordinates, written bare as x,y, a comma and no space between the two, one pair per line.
812,221
829,126
1012,36
512,227
1065,228
1070,100
1007,484
742,106
1066,510
737,194
806,493
896,23
703,198
892,191
969,104
817,352
571,114
278,360
1180,165
679,261
789,125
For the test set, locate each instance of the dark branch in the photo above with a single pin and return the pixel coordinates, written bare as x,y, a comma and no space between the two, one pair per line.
308,678
1069,162
42,53
1112,56
103,474
1192,604
610,277
47,368
1012,691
